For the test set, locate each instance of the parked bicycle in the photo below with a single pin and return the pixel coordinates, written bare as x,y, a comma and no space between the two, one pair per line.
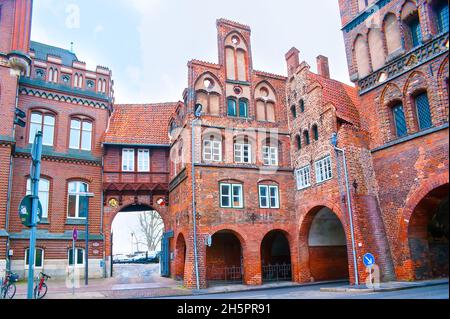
40,290
8,289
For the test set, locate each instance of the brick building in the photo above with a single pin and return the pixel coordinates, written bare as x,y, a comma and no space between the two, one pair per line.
397,53
270,200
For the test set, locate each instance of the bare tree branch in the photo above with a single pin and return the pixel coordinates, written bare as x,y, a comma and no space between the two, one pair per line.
151,225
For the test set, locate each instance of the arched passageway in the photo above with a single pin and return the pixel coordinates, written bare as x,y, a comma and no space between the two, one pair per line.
328,258
428,235
276,257
224,259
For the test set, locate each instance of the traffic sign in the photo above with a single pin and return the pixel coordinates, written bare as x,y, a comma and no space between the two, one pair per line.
75,234
25,211
369,260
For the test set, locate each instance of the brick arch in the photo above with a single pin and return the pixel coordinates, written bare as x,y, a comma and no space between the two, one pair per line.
214,77
420,83
390,95
305,274
404,267
233,230
180,255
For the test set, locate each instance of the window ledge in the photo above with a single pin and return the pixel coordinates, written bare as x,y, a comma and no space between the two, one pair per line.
76,221
44,221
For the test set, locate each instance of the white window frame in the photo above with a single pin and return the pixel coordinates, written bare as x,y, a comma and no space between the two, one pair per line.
303,177
77,199
270,155
128,155
143,160
323,170
44,126
212,151
231,195
268,197
43,194
76,257
27,257
239,153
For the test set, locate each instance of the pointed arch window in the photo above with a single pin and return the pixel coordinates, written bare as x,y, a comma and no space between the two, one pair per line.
315,130
399,120
423,111
298,139
306,137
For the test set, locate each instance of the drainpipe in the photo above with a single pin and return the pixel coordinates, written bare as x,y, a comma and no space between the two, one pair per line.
101,220
8,196
349,205
194,207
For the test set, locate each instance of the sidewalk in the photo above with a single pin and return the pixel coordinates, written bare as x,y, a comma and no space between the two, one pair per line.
388,286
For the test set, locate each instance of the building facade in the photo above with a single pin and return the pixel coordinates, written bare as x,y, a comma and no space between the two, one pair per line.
251,190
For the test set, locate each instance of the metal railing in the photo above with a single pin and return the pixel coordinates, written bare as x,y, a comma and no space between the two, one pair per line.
232,274
277,272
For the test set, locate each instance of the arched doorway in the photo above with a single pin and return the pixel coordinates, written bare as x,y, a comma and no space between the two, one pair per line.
327,246
180,257
135,248
224,259
428,235
276,257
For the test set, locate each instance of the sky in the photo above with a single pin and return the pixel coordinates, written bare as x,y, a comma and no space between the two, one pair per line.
147,43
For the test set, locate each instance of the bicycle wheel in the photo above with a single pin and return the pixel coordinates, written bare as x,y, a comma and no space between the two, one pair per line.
9,292
39,294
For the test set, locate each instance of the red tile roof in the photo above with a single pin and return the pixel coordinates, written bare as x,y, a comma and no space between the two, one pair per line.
140,124
344,97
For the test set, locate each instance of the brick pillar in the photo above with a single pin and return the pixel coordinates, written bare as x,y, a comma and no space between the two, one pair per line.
190,280
292,60
252,264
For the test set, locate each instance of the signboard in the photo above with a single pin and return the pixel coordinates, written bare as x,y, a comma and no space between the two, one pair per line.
25,211
369,260
75,234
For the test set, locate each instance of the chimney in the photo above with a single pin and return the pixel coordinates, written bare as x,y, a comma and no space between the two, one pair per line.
323,67
292,60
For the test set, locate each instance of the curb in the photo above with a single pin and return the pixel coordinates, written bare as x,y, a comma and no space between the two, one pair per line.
387,289
259,288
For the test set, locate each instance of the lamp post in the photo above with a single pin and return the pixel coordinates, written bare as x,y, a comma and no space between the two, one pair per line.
197,114
334,140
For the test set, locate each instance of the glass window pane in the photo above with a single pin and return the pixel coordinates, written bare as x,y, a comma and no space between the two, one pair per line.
74,138
72,206
34,128
87,126
80,256
70,257
27,258
49,120
36,118
243,108
232,107
400,121
423,111
86,141
75,124
48,134
39,258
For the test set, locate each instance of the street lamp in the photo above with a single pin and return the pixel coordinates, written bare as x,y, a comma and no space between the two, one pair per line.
334,140
197,113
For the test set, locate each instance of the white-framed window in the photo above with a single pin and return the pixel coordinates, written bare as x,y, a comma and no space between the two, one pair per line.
242,153
79,256
38,258
128,160
323,170
270,155
76,202
231,196
44,191
212,151
269,196
303,177
143,160
44,123
80,135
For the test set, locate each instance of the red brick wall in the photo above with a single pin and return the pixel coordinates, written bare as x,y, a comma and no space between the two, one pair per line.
328,263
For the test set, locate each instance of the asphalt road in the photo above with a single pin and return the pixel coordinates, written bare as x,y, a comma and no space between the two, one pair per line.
313,292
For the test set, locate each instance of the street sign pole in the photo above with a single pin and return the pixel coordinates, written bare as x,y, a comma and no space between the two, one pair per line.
86,251
35,176
74,238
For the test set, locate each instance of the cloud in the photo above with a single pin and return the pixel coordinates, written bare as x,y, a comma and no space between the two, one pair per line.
99,28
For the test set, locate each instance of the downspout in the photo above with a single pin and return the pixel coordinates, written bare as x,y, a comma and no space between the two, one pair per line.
101,220
194,208
8,198
350,214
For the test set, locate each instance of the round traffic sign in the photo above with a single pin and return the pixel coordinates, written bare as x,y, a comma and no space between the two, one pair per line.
25,211
75,234
369,260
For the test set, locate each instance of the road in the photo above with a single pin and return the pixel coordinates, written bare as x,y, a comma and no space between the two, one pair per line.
313,292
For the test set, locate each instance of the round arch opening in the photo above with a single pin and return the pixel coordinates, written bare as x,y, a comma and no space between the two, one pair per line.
276,257
327,247
428,235
224,259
